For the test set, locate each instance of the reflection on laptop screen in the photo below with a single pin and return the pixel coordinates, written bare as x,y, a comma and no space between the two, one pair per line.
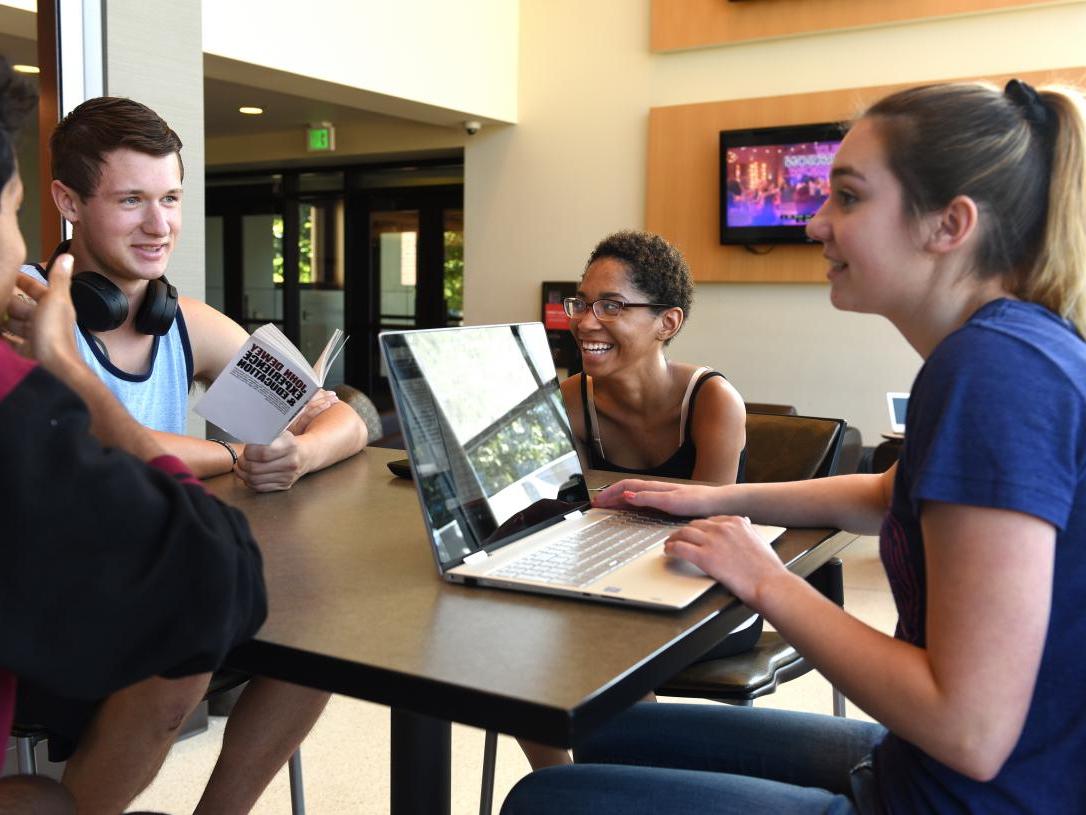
487,431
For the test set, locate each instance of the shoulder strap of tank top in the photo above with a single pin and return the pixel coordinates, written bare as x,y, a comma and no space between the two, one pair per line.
699,376
592,421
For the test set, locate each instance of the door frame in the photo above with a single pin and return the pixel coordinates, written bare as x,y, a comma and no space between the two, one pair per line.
364,297
361,286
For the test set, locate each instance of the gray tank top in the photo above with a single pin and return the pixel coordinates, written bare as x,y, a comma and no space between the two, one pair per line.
157,398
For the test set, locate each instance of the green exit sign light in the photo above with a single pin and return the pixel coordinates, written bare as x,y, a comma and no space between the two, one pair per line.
320,138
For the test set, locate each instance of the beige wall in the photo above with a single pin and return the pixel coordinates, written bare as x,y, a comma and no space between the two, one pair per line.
382,137
458,56
540,194
153,55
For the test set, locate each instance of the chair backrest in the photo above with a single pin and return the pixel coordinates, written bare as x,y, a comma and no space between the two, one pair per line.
791,448
771,407
852,451
364,408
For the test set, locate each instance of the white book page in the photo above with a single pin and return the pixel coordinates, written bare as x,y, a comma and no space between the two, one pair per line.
328,356
270,336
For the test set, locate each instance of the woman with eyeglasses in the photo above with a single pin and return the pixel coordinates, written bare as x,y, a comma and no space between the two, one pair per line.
957,213
634,410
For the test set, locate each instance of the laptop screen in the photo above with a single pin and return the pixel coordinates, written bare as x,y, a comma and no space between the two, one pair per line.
898,405
486,431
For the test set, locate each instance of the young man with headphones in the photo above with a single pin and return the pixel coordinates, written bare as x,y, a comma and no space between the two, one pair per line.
78,469
118,180
118,174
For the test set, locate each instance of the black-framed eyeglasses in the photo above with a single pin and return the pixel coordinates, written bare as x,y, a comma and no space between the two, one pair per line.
605,310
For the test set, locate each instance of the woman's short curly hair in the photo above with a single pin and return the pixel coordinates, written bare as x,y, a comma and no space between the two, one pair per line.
655,267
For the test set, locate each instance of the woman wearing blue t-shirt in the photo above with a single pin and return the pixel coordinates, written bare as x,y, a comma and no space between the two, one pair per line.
957,212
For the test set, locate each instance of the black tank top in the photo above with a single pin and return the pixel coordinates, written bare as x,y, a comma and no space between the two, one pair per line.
681,462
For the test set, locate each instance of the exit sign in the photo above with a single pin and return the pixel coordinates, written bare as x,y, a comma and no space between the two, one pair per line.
320,138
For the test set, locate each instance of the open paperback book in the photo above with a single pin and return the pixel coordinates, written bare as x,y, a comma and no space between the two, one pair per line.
265,385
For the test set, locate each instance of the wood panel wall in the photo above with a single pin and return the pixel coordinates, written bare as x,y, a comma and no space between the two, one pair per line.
679,24
51,224
682,194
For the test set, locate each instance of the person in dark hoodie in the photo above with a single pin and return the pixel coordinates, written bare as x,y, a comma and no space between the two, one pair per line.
106,538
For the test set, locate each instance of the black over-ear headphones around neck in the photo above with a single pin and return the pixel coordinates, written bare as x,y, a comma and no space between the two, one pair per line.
101,306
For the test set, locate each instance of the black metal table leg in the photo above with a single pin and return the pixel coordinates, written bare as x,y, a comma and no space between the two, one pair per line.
421,753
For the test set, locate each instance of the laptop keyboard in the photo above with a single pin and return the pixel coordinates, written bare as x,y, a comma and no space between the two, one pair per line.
589,553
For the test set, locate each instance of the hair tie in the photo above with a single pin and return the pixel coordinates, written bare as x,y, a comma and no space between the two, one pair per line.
1031,106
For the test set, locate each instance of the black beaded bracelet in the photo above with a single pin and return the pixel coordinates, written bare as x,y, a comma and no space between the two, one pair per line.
230,449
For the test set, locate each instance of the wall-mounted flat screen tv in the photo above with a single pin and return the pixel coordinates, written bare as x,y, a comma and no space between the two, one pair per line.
773,180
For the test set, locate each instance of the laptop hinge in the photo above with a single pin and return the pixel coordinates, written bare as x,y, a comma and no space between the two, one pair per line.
476,557
574,515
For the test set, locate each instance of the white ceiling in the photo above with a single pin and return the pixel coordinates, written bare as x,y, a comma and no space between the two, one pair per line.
282,111
222,97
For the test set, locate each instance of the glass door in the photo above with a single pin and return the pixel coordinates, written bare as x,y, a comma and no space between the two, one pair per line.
453,266
262,271
415,243
321,278
363,248
394,242
276,254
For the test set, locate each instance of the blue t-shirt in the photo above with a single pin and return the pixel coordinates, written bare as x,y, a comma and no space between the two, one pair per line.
997,418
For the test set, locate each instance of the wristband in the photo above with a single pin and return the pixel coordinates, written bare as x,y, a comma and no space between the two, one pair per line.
230,449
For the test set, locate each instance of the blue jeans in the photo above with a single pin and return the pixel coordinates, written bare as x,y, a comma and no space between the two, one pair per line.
698,759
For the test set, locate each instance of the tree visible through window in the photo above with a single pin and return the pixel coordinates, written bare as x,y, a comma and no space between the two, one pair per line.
305,249
454,273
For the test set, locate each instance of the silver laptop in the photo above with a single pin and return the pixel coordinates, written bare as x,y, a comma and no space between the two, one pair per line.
897,404
502,491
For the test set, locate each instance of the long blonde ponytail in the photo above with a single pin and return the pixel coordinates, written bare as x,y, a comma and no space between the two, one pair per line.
1057,277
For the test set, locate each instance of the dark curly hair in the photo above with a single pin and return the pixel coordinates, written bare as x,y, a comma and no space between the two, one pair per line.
654,266
17,99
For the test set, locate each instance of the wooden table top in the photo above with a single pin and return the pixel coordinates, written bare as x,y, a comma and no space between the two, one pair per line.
356,607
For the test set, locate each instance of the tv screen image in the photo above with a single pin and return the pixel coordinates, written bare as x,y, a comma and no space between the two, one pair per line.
773,180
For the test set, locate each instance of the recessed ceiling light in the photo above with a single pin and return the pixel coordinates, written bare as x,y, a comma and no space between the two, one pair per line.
27,69
249,110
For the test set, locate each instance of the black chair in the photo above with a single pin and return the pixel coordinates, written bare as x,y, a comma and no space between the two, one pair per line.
852,445
852,451
886,455
791,448
779,448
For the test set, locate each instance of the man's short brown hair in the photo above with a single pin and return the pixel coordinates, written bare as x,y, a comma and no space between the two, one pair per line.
81,142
